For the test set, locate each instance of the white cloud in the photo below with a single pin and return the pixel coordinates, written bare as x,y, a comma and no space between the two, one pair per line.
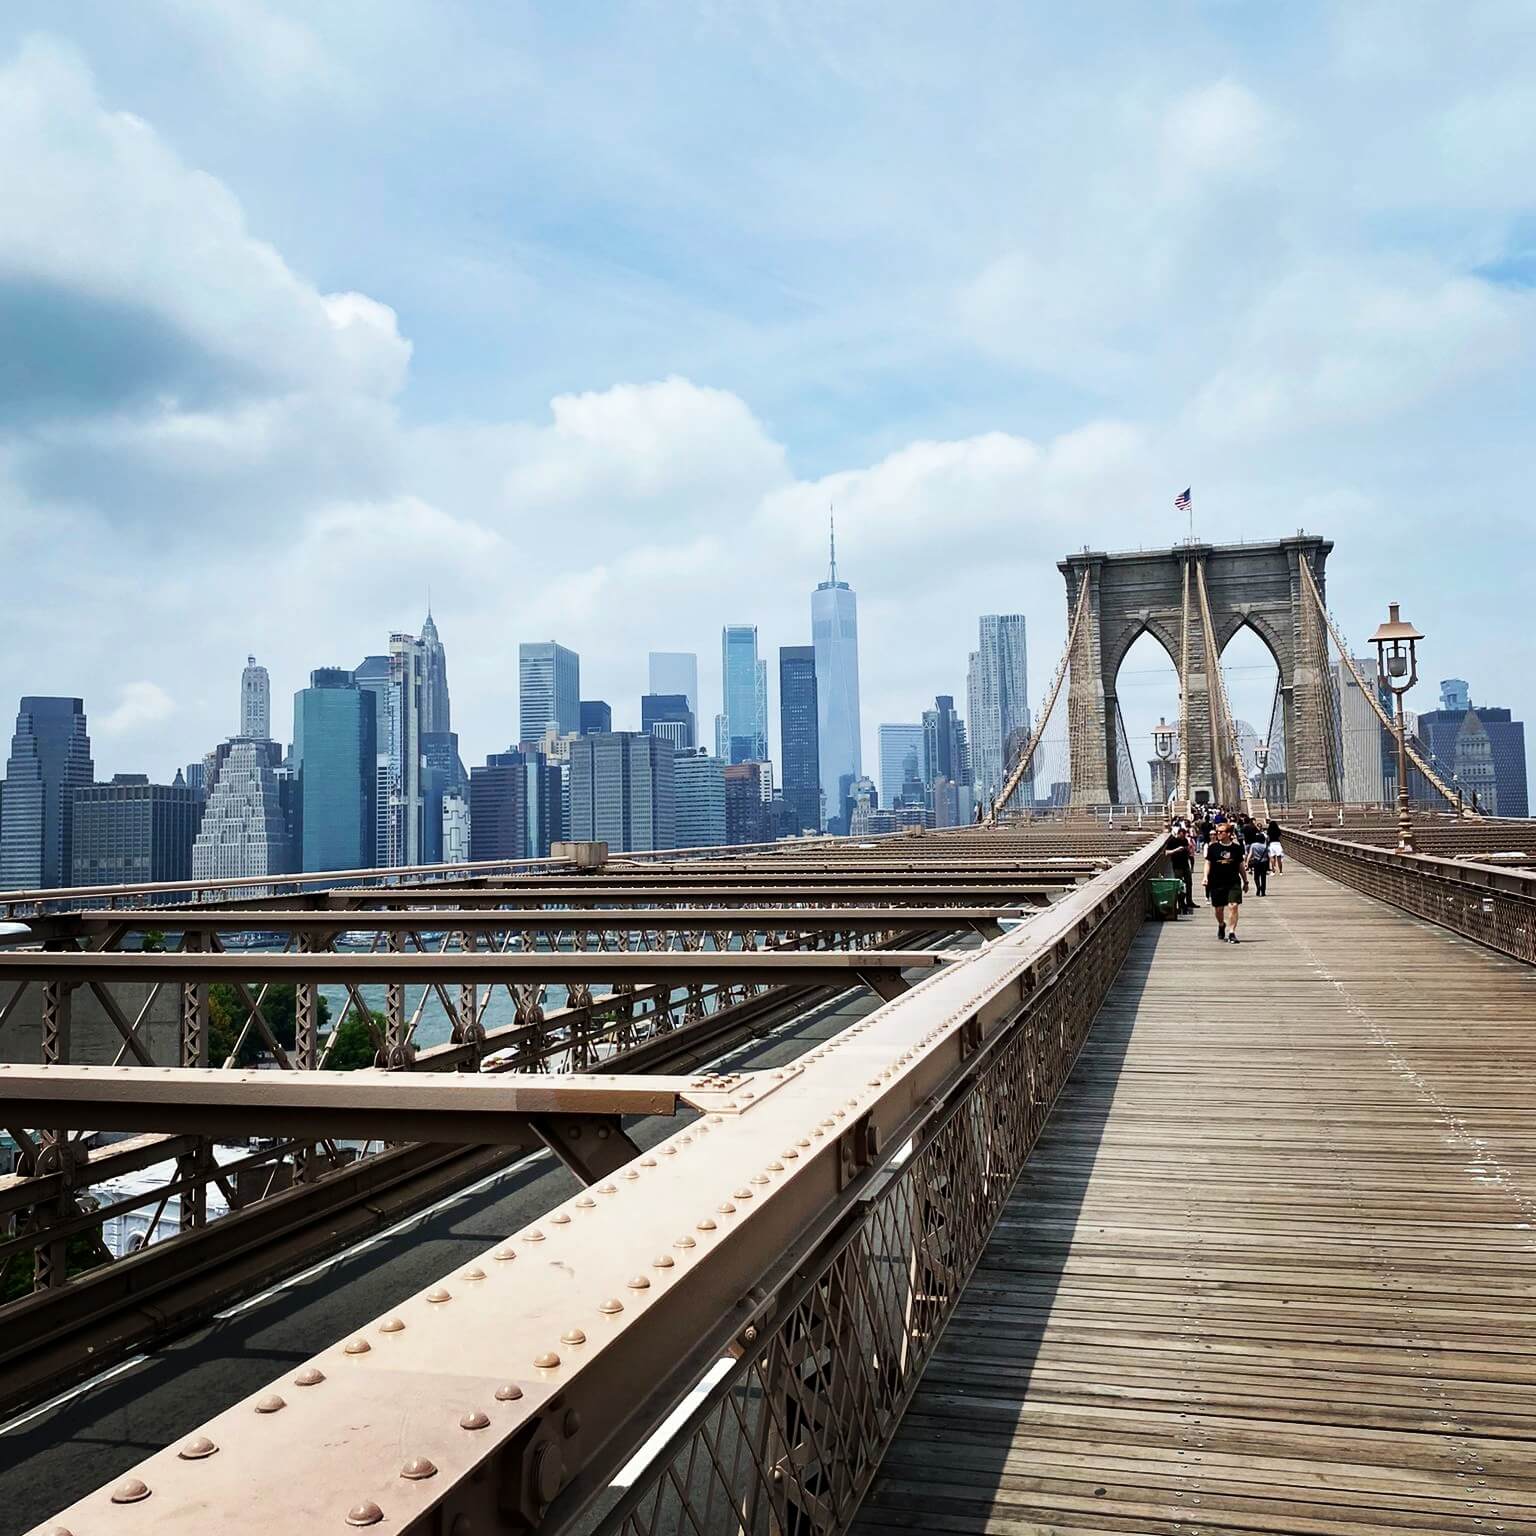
139,704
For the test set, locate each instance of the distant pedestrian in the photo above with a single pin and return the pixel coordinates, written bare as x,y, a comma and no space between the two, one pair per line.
1225,868
1258,863
1181,863
1276,849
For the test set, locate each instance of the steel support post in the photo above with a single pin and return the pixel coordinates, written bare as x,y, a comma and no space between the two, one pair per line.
394,1013
194,1013
58,1008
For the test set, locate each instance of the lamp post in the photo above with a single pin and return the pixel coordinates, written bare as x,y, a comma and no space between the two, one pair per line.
1261,762
1162,744
1397,665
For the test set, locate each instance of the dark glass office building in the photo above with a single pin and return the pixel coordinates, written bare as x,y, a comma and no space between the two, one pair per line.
130,831
667,715
50,758
335,754
799,738
1441,731
498,807
596,717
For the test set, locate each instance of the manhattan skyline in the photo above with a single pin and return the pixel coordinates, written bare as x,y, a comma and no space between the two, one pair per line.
260,413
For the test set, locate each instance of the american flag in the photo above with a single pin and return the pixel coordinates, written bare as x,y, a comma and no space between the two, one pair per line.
1181,501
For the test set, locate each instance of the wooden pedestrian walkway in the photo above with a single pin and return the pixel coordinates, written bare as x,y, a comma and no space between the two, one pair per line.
1273,1266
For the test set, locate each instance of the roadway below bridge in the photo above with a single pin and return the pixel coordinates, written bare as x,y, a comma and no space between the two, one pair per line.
1270,1266
55,1454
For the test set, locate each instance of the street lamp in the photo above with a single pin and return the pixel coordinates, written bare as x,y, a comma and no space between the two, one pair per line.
1261,762
1397,666
1162,744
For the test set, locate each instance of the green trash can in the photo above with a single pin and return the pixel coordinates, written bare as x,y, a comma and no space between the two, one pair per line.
1164,896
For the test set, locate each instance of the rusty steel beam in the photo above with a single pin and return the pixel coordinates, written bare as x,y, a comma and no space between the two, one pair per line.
802,968
526,1378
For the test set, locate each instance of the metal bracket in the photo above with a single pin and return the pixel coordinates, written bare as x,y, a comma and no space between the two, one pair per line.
734,1093
591,1146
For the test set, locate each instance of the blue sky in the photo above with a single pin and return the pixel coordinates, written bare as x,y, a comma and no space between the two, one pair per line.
583,314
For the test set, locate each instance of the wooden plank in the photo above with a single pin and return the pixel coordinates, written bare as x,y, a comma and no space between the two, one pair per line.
1273,1265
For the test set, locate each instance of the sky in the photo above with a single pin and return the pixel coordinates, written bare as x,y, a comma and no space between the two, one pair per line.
583,316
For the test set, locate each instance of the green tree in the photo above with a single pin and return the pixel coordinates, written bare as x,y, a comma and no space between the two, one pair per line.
354,1046
227,1013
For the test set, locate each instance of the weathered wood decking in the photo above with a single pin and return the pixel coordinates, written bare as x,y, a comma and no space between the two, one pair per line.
1273,1265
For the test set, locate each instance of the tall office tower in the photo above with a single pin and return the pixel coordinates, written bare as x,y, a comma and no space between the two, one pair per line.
699,794
243,830
800,736
372,675
50,758
255,702
945,751
675,672
896,741
130,832
746,729
549,691
1455,692
405,823
999,704
667,715
746,816
498,807
595,718
623,792
722,738
456,826
335,752
442,774
1359,737
436,715
1474,765
762,706
835,630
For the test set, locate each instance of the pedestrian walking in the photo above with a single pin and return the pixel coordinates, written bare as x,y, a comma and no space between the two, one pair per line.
1276,850
1181,863
1225,868
1258,864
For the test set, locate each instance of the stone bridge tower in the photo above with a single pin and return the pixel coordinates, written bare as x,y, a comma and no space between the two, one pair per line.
1254,584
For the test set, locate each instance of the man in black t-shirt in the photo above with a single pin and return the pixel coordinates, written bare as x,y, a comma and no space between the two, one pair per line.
1225,865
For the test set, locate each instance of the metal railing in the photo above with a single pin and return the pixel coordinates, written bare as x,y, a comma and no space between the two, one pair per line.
815,1230
1497,907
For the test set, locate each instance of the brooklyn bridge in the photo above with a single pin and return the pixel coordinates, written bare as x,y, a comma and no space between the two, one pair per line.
919,1182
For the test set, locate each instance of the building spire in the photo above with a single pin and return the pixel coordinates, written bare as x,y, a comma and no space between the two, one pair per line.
832,531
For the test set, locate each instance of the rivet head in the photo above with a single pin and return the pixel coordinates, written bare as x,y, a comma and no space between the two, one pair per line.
669,1151
533,1235
356,1347
638,1283
366,1513
573,1336
503,1254
417,1468
57,1530
392,1325
716,1119
630,1173
762,1178
586,1203
269,1404
662,1261
776,1166
509,1393
547,1361
196,1449
742,1194
707,1225
607,1189
130,1491
612,1305
802,1142
560,1219
474,1273
685,1242
726,1208
647,1162
476,1418
439,1295
310,1376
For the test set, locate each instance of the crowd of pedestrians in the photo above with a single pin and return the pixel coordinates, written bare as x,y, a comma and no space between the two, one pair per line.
1234,850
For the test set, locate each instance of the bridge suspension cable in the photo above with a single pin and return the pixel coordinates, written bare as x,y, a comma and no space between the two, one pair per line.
1223,726
1368,689
1027,756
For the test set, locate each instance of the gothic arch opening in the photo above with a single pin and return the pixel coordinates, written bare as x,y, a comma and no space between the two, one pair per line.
1147,691
1252,676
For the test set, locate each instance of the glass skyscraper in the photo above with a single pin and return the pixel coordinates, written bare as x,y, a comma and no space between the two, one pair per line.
799,735
699,794
835,631
548,691
335,752
897,744
667,715
50,758
743,690
436,714
999,704
623,792
675,672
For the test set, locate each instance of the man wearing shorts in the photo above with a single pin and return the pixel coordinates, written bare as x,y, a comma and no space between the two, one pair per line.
1225,865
